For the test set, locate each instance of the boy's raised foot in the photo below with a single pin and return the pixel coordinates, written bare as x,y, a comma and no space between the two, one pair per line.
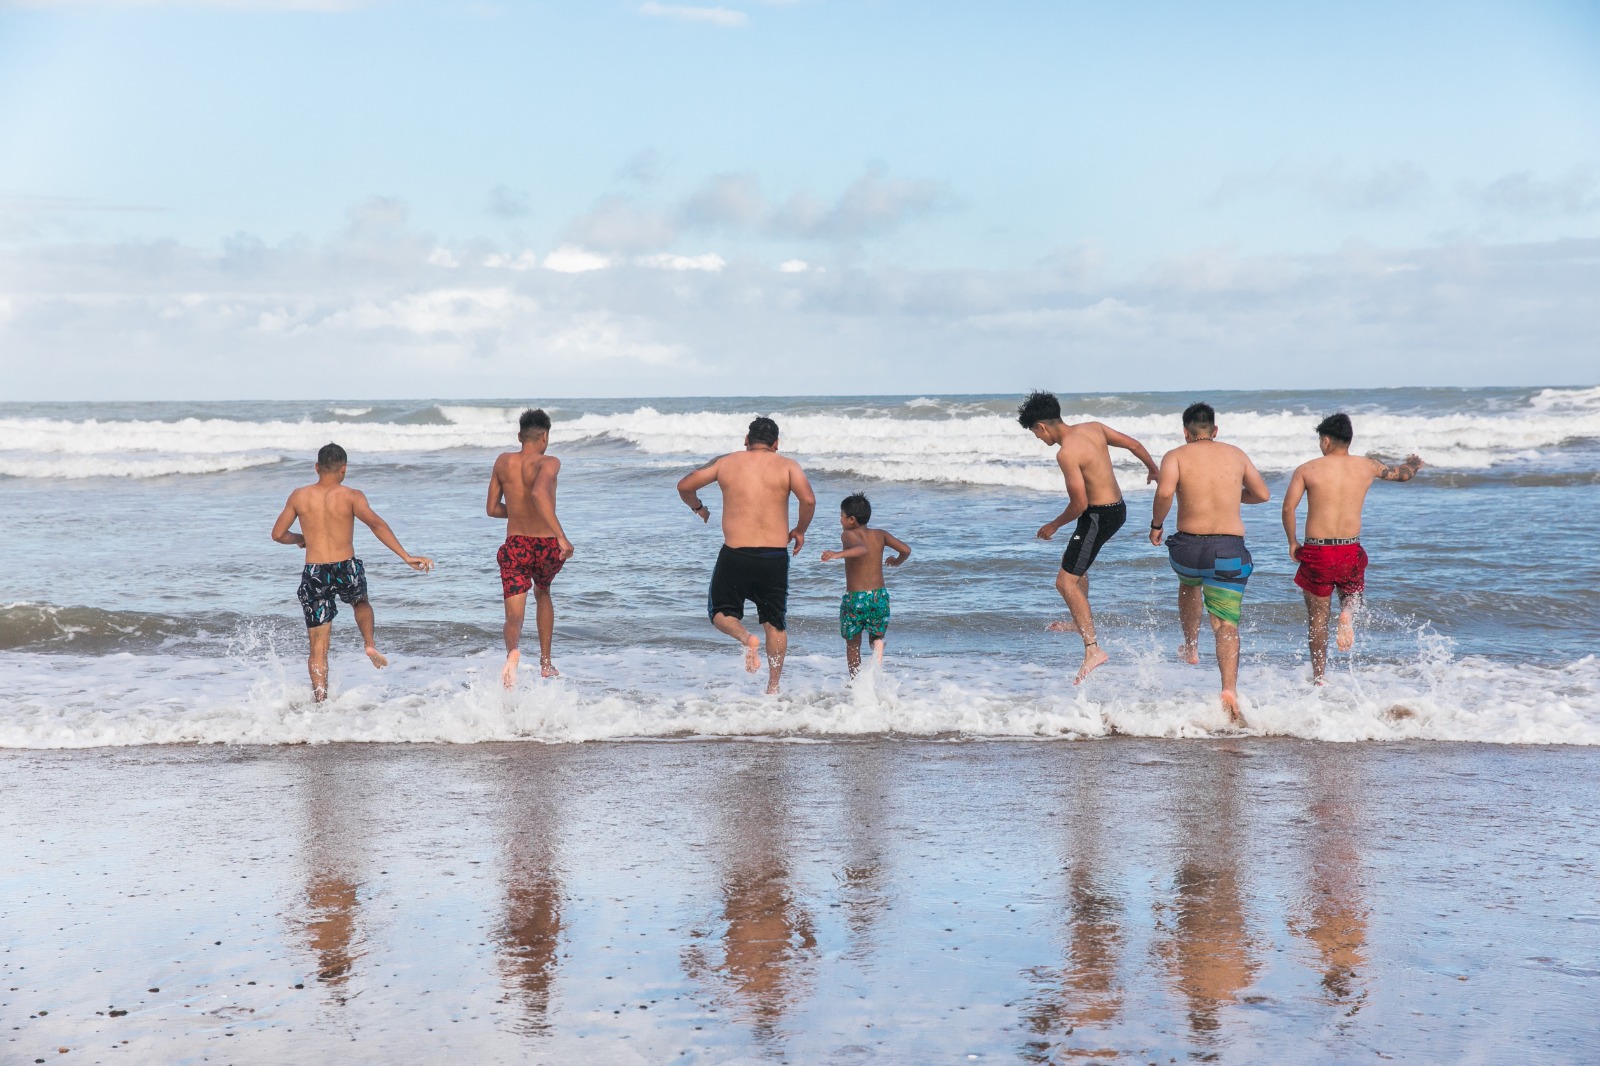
752,655
1346,635
508,672
1092,658
377,657
1190,653
1230,703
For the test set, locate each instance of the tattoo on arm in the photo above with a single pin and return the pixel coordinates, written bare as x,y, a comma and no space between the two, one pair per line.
1387,472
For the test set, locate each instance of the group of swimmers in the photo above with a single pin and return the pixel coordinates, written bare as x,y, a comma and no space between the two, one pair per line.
1209,479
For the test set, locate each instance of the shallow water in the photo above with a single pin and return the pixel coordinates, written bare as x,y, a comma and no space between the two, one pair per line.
150,606
889,900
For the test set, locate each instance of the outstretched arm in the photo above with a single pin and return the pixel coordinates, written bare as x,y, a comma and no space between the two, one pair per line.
1399,472
690,485
1291,511
902,550
1166,489
1077,500
380,529
1255,486
1128,444
808,506
280,528
855,546
544,497
497,495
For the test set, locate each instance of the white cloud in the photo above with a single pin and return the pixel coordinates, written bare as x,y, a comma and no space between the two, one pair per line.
570,259
794,266
524,261
443,257
711,262
714,16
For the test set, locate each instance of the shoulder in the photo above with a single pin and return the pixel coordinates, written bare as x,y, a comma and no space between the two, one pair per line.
550,464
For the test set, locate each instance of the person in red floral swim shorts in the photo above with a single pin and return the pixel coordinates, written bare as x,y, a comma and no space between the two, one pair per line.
522,490
1331,556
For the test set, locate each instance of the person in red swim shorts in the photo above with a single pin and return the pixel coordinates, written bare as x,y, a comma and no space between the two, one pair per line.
522,490
1331,557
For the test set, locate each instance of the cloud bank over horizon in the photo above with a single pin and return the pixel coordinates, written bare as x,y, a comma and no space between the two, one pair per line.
246,199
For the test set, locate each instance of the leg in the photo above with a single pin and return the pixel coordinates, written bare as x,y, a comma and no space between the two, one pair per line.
516,611
544,616
852,655
317,661
1317,634
1226,635
1074,589
1348,606
877,648
1191,605
777,647
727,623
363,613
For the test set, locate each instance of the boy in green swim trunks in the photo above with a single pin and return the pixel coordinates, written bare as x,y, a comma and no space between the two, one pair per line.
865,607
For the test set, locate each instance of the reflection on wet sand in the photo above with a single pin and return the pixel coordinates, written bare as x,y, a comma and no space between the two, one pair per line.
1087,992
333,886
768,941
529,937
862,893
1210,953
1334,915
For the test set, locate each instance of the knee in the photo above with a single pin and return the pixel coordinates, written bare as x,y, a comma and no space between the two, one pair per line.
542,595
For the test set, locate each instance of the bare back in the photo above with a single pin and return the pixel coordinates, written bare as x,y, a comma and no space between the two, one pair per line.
1084,447
863,573
1336,489
755,486
327,515
1213,479
526,480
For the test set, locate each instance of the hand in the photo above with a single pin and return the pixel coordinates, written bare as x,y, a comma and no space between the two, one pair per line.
298,540
704,512
895,560
798,538
1152,475
1048,530
1294,550
1415,461
1157,535
830,556
566,548
419,562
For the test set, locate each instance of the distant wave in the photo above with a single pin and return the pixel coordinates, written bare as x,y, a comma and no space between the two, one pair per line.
68,701
922,440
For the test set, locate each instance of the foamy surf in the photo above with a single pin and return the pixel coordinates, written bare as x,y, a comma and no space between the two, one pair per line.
60,701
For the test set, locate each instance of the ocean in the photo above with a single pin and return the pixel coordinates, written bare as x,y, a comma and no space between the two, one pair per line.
146,604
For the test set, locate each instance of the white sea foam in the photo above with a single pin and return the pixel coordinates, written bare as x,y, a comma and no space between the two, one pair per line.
958,443
72,702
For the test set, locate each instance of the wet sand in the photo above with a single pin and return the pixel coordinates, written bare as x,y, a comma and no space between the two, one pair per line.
893,901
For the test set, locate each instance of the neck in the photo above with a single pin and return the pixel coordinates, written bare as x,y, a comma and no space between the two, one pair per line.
535,447
760,447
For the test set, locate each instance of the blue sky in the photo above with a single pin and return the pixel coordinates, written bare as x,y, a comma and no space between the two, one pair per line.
615,197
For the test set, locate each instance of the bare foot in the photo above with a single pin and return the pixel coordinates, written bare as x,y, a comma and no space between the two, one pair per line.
1346,636
1230,703
1092,657
1189,653
548,669
508,672
772,687
1064,626
752,654
378,661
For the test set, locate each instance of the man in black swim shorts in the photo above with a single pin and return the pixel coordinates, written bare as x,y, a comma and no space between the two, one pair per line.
1083,452
757,540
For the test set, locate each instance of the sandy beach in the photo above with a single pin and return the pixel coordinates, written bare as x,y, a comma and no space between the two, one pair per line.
739,901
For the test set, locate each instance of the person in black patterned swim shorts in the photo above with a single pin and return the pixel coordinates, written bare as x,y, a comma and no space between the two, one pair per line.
327,512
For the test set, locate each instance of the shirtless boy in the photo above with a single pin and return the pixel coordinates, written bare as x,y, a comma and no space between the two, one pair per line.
522,490
754,562
865,607
1331,556
1211,480
327,512
1093,498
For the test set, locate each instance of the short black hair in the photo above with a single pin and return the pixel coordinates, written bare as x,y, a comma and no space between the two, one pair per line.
1199,416
857,506
763,431
1337,427
1040,406
331,456
533,420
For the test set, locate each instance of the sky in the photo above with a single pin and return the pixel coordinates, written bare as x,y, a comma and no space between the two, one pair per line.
260,199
